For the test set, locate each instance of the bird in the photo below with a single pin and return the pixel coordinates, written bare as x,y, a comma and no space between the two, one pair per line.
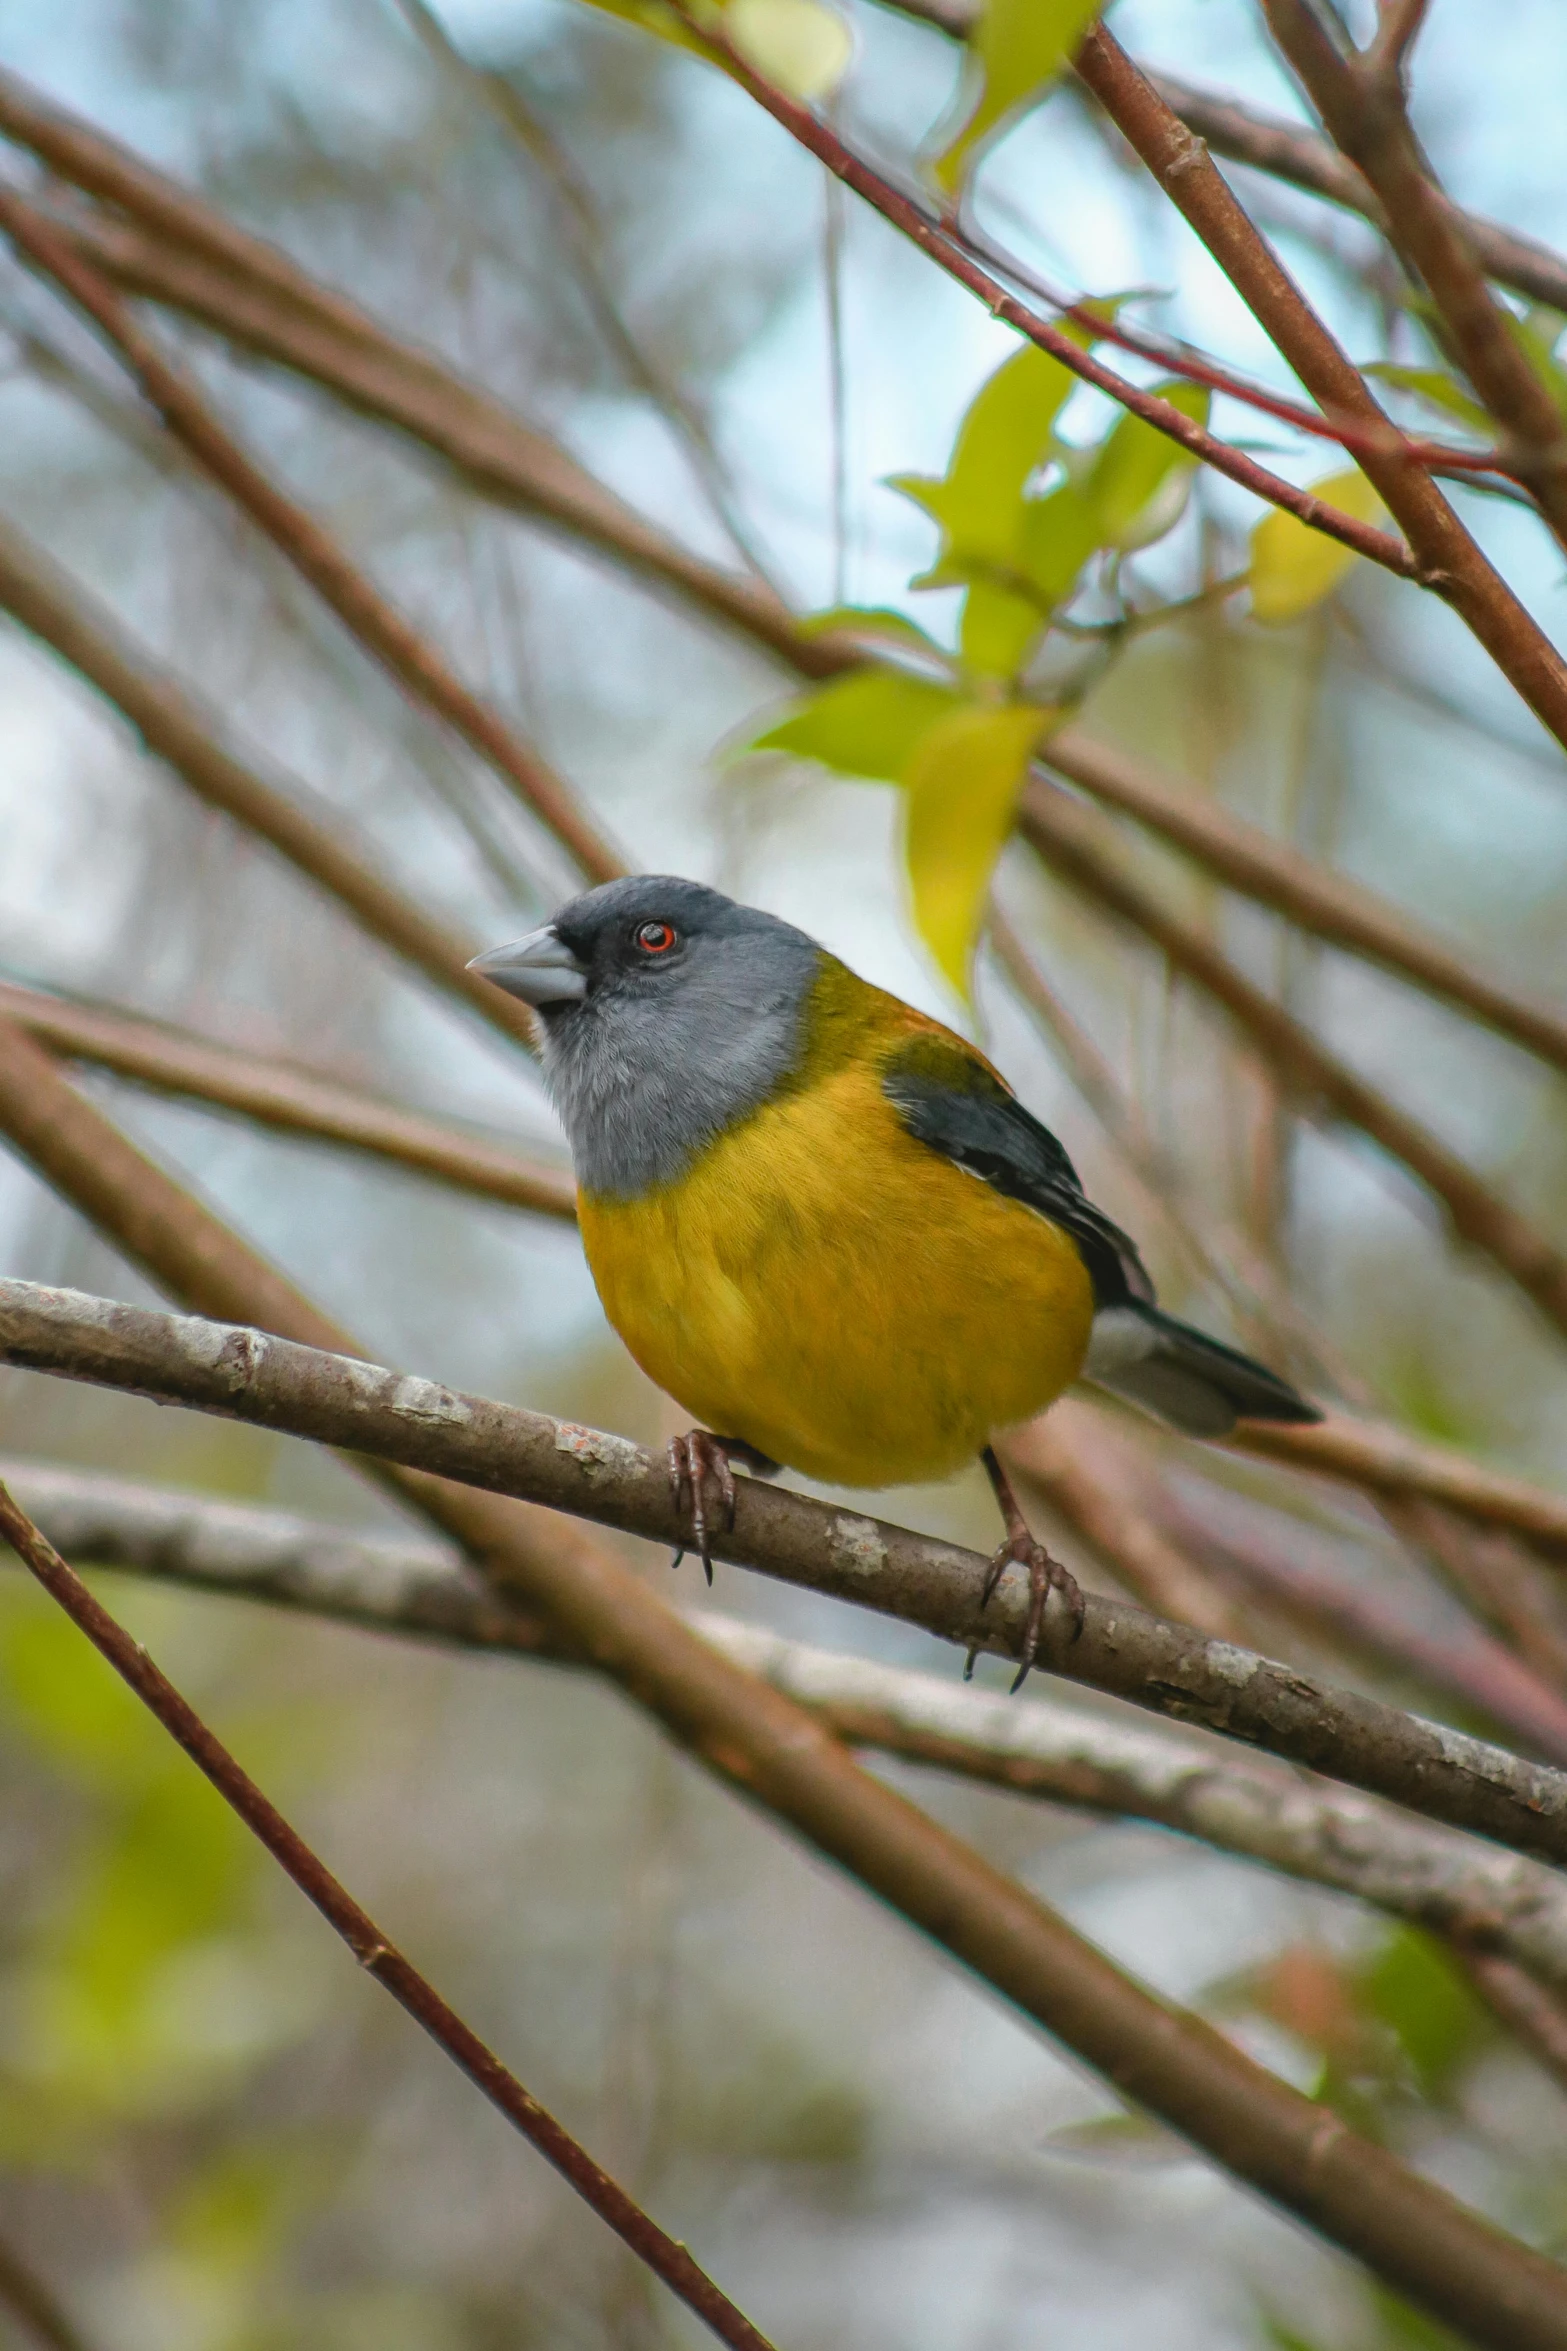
825,1225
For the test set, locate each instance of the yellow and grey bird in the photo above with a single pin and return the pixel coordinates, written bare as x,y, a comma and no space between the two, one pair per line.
824,1224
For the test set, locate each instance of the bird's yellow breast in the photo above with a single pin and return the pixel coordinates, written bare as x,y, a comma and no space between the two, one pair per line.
840,1295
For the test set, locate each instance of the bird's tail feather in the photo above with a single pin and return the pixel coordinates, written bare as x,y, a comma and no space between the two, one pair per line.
1186,1378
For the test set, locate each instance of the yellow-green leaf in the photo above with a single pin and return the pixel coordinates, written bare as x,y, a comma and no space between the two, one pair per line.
1015,49
867,724
1004,437
654,16
998,630
1292,566
961,789
1437,390
1059,535
798,45
1141,478
870,620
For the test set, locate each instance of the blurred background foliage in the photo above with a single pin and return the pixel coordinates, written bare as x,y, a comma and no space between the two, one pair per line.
211,2136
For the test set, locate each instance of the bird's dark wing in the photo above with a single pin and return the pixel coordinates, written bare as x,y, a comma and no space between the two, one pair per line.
947,1098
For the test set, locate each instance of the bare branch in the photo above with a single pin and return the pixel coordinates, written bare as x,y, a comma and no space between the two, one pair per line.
172,725
181,252
1447,557
755,1740
396,1417
1539,2020
1069,842
378,1957
30,2303
1131,1514
1361,101
289,1098
407,657
1327,904
1043,1747
946,246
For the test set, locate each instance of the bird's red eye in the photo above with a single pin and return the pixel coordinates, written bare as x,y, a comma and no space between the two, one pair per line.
656,938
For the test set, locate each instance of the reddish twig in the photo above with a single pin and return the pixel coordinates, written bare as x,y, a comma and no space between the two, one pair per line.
315,554
945,246
1445,555
378,1957
1360,97
1348,433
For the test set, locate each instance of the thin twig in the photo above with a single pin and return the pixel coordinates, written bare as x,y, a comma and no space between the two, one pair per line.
174,727
1447,557
289,1098
498,94
1538,2019
910,213
1069,841
25,2298
1328,905
375,1954
407,656
1041,1747
1361,101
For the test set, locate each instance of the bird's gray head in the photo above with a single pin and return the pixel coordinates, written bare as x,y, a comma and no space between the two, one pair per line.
668,1011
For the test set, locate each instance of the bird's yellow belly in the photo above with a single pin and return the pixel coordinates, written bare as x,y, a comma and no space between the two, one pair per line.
839,1295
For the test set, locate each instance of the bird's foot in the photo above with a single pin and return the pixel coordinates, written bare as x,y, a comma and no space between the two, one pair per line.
694,1459
1045,1574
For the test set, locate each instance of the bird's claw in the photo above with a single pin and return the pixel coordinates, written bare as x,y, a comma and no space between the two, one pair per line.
693,1459
1044,1576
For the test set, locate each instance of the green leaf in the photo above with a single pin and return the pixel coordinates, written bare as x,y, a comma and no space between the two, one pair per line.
867,724
1411,1986
1005,436
998,630
1537,335
1141,478
1015,49
798,45
870,620
1292,566
1060,533
961,790
1437,390
656,18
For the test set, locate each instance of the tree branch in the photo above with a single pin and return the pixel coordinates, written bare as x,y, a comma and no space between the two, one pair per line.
290,1099
1447,556
946,246
756,1741
1068,840
181,252
329,1399
26,2299
1374,1457
1361,101
406,656
378,1957
1328,905
174,727
1222,1796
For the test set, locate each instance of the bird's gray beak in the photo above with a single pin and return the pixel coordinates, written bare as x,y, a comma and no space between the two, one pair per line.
541,969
